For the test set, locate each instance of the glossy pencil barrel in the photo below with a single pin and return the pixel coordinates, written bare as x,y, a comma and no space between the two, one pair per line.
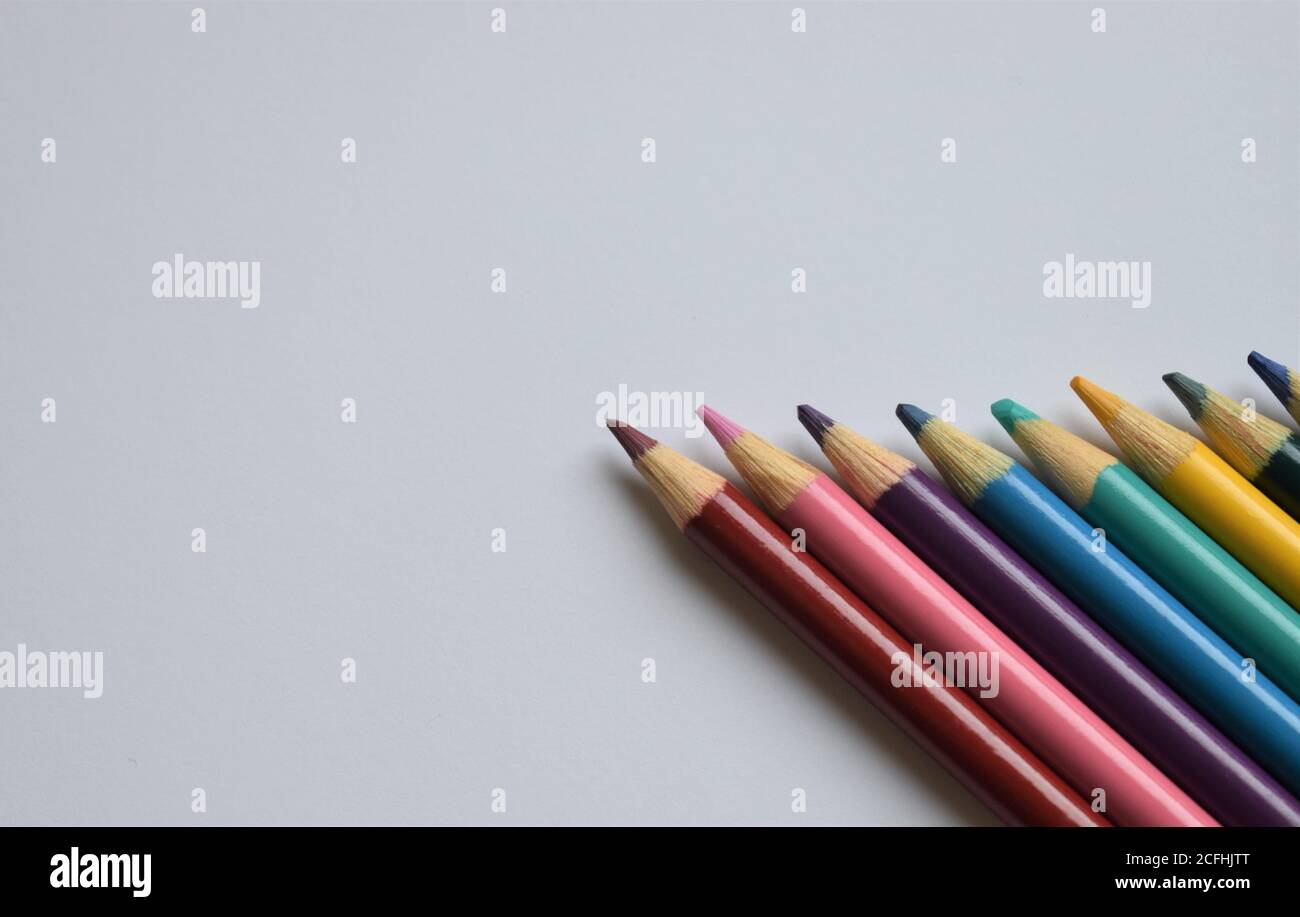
1200,574
1088,660
1190,657
1055,724
865,650
1236,515
1208,490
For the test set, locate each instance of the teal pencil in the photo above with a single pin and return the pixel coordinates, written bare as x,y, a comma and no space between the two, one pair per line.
1282,382
1207,579
1192,659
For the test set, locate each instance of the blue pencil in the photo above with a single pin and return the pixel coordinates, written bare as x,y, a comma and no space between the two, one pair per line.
1137,611
1282,382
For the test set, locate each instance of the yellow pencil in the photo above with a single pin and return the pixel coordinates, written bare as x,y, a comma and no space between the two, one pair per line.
1224,504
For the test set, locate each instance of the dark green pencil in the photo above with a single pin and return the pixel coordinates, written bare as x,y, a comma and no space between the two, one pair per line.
1262,450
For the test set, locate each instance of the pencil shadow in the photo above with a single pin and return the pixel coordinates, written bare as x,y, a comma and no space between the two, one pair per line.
792,656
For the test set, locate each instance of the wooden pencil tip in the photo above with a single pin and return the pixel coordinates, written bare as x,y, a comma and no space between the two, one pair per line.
1009,413
1275,375
1190,392
1103,404
913,418
815,422
724,431
634,442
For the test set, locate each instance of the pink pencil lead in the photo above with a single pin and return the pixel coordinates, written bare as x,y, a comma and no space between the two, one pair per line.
724,431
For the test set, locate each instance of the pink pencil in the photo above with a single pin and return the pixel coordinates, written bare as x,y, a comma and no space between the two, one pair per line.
1072,739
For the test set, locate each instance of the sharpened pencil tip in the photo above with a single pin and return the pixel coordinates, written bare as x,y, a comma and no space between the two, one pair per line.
1190,392
913,417
1275,375
634,442
815,422
1102,403
1009,413
725,431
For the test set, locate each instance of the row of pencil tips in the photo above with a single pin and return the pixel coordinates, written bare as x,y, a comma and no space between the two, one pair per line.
1138,617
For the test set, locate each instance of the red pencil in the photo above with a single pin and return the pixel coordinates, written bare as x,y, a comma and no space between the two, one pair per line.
854,640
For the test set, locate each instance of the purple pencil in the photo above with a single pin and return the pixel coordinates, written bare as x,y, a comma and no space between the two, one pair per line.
1104,675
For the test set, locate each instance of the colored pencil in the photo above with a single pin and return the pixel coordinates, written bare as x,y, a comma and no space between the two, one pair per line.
1263,451
1282,382
1208,491
1119,595
854,640
1037,708
1207,579
1033,612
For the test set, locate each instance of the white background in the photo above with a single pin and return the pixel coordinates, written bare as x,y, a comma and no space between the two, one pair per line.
477,410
